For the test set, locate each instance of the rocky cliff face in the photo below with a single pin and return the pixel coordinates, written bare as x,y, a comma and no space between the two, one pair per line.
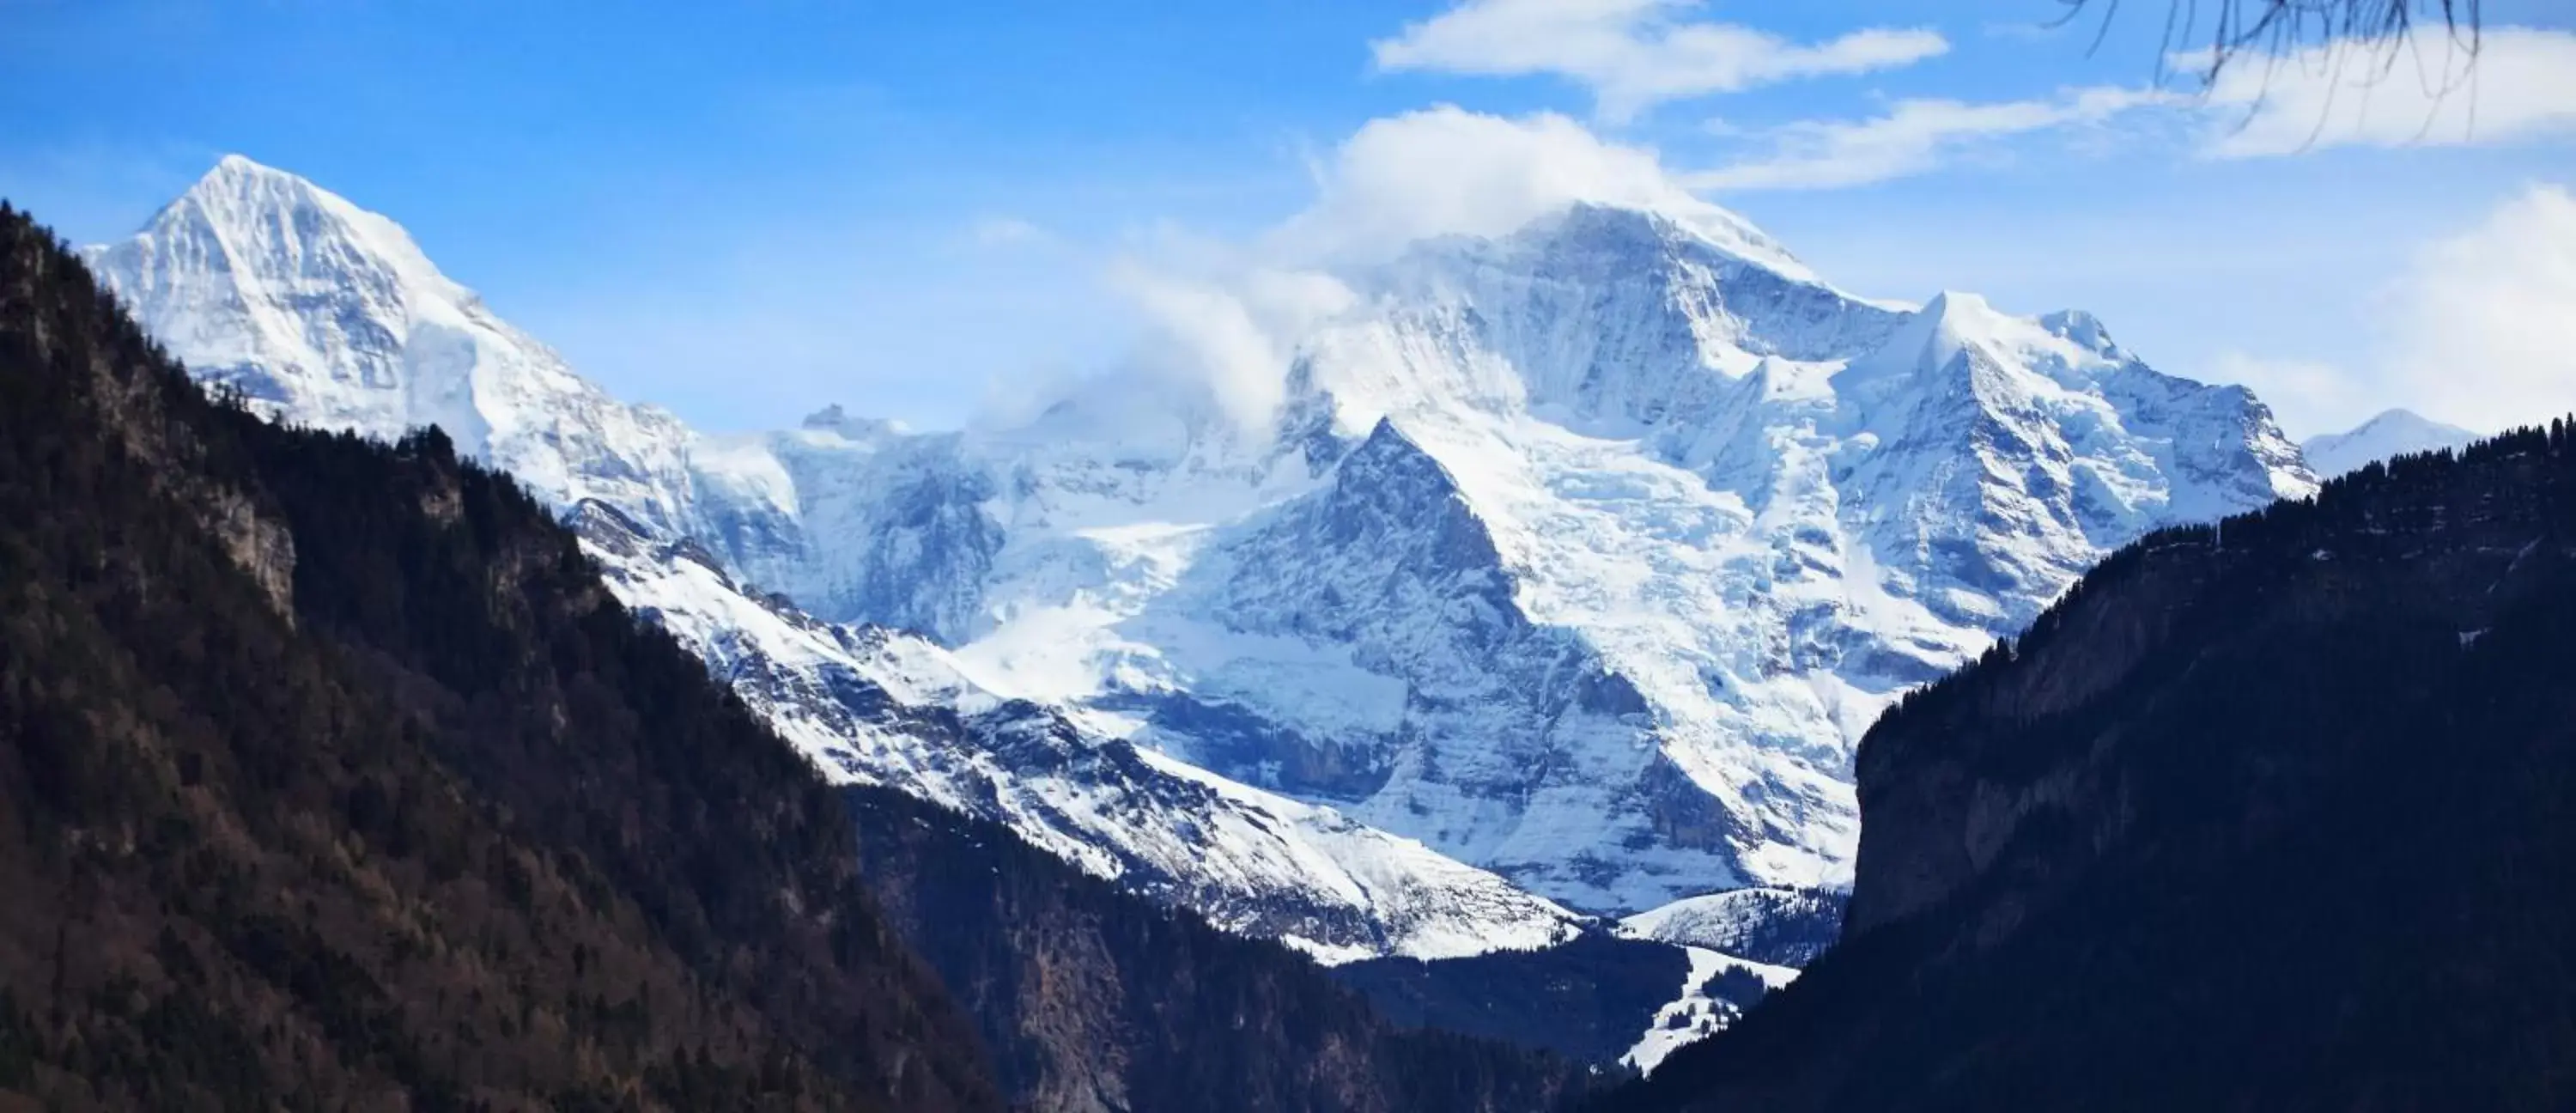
2263,814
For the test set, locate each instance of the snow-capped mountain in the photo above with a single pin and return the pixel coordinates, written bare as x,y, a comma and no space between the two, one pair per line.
325,314
1581,555
328,315
2393,433
873,706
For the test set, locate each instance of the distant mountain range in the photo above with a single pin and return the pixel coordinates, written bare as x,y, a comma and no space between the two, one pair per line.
1562,584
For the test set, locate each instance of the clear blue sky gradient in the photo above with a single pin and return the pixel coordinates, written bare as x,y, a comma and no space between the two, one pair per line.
745,211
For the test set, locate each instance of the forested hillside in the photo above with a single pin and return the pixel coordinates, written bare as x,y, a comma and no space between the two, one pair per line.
2272,815
329,778
1093,999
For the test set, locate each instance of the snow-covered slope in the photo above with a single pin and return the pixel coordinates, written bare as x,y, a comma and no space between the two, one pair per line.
1783,927
1717,991
1581,555
2394,433
874,706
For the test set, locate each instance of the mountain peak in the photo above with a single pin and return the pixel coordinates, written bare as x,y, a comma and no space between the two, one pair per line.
271,227
1597,224
2393,432
1957,305
253,241
2081,328
1929,338
237,187
236,166
330,314
2397,418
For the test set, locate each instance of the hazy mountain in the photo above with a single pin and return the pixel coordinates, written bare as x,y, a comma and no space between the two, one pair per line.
2391,434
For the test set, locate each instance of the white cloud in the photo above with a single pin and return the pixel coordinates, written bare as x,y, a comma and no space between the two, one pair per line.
1447,171
1232,333
1914,136
1635,54
2486,321
1232,315
2522,83
2025,30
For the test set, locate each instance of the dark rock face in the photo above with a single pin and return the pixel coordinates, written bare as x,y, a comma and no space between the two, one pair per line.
1255,750
2277,814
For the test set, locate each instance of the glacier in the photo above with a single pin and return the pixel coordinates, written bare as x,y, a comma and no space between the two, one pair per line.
1562,582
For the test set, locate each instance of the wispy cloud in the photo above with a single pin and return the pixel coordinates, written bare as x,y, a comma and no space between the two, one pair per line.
2520,82
1448,171
1226,317
2025,30
1912,137
1635,54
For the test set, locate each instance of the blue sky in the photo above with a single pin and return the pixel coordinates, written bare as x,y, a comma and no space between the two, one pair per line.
746,213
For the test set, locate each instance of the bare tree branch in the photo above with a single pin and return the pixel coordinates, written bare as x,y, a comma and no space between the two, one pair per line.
2213,34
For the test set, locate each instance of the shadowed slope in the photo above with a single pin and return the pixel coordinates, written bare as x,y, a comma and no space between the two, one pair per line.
2272,815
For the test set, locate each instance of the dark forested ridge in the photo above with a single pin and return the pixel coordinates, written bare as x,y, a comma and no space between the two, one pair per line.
331,779
1094,999
2273,815
1588,999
